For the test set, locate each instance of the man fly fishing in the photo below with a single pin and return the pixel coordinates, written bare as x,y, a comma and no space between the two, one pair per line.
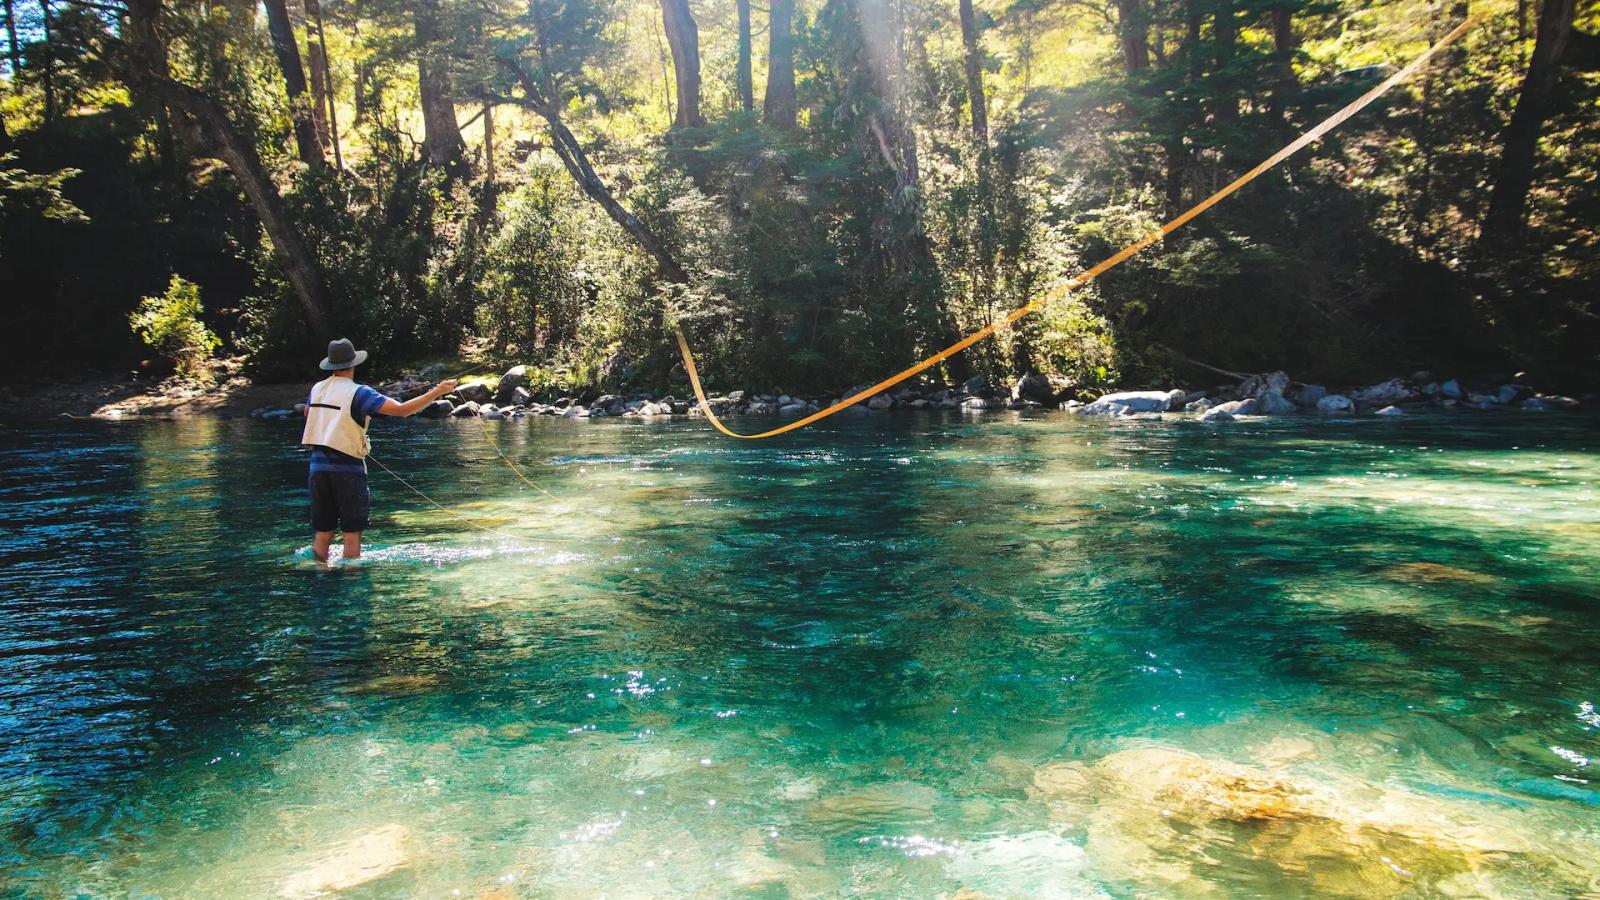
338,412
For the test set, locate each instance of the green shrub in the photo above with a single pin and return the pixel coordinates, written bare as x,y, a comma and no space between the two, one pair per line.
170,324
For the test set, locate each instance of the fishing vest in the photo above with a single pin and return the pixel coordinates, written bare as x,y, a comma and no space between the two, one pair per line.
328,421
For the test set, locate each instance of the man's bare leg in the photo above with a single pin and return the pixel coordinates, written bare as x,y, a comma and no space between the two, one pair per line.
319,545
352,545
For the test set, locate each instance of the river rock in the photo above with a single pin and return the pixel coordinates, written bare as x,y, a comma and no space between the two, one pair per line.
1392,391
357,861
983,403
469,408
490,411
438,409
1390,411
1217,414
1510,393
880,402
1544,403
872,809
1125,402
1199,406
575,411
1043,389
1335,403
977,386
1271,402
1307,395
1245,407
515,379
736,396
474,392
792,410
520,397
1256,385
1452,389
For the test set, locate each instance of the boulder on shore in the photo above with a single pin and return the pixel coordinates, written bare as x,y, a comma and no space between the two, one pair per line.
1127,402
438,409
1389,392
469,408
1217,414
1256,385
474,391
977,386
515,379
1335,403
1307,395
1271,402
1245,407
1045,389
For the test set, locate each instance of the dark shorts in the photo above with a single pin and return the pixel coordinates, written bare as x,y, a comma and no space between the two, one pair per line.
338,501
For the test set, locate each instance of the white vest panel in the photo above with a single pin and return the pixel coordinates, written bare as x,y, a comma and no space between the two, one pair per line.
328,421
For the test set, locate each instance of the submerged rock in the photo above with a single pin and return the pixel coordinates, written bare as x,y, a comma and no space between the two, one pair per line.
357,861
872,808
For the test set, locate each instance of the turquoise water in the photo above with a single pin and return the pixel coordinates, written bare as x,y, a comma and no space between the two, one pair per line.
905,656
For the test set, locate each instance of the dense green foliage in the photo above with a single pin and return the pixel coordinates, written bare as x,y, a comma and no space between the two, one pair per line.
893,213
170,325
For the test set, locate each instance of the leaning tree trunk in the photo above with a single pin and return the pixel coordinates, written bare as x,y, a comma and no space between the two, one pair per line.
779,103
684,39
315,9
441,134
294,83
210,132
745,81
1508,205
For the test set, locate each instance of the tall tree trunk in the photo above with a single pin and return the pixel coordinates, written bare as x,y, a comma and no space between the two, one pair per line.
210,132
1173,146
327,82
441,134
488,144
779,103
1508,205
1287,87
48,75
13,50
1133,32
684,39
974,68
142,30
317,62
744,77
294,83
1225,25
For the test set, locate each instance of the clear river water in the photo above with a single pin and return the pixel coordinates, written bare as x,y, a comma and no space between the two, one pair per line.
901,656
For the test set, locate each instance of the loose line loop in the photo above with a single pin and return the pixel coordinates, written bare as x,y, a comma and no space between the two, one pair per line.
1079,281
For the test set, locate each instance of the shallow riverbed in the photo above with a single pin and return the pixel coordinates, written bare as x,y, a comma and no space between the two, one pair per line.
902,656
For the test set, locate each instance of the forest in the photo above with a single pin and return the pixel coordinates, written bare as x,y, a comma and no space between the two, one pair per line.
818,191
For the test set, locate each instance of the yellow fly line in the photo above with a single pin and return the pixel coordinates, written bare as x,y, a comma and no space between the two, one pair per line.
1106,265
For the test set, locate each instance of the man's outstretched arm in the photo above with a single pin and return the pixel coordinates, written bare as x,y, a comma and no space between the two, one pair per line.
413,406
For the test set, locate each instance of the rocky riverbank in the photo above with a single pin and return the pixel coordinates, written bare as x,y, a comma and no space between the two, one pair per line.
1269,394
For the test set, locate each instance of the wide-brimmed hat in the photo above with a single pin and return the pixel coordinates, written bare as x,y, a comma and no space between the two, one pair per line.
342,355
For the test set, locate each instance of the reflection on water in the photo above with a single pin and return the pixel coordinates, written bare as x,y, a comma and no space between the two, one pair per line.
908,656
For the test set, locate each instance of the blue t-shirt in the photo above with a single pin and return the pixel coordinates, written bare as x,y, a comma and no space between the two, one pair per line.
363,406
